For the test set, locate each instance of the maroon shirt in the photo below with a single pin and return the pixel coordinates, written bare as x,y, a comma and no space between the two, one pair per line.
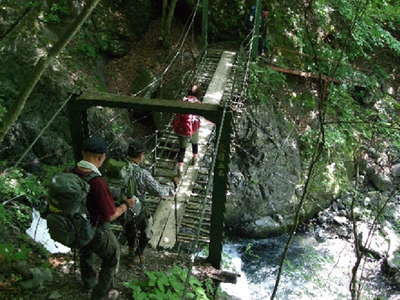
100,203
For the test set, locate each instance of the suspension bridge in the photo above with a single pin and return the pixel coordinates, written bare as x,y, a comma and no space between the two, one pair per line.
195,215
196,212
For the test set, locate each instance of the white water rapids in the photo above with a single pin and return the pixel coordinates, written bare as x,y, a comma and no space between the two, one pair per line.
40,233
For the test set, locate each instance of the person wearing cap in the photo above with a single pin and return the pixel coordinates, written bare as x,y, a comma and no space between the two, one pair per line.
135,229
102,211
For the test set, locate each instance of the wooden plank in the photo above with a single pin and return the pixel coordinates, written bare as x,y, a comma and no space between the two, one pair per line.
165,237
160,218
216,88
165,226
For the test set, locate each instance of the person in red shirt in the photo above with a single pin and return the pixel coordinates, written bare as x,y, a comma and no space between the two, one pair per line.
102,211
186,126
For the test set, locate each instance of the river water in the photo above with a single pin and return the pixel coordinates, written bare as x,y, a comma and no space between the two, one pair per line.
39,232
313,270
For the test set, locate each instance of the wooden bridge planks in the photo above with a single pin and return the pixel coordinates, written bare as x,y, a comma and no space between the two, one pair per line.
164,227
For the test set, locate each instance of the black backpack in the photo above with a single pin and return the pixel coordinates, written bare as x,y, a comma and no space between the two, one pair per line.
67,217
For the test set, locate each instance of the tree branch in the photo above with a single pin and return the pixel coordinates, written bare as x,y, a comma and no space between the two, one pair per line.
41,67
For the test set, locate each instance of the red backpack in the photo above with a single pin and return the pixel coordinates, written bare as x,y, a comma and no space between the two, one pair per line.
186,124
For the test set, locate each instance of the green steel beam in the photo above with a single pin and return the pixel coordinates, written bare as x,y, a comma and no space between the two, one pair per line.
78,126
209,111
257,22
220,186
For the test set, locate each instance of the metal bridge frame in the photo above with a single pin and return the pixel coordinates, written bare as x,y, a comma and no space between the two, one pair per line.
77,110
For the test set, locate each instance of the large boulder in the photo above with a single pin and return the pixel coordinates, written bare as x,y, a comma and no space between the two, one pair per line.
267,175
265,170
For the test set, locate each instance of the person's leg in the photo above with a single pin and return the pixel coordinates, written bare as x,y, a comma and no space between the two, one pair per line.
108,250
195,147
87,267
130,231
142,223
183,141
181,155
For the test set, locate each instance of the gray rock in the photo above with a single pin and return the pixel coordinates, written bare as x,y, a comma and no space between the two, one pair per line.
393,262
396,170
266,222
380,181
340,220
264,226
265,171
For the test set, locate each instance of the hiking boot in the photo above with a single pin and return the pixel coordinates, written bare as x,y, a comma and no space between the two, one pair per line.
194,160
138,259
112,294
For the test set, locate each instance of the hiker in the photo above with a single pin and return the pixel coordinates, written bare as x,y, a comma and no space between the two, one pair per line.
136,226
102,210
186,126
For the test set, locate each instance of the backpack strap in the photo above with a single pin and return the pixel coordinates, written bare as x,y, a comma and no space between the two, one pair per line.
131,184
90,176
87,178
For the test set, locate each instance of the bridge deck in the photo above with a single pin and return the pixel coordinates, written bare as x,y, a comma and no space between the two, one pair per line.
167,218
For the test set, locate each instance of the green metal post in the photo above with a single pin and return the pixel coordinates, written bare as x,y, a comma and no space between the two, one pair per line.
205,24
256,35
221,170
79,127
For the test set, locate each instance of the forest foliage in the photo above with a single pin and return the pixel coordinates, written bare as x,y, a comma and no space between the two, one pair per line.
353,43
356,43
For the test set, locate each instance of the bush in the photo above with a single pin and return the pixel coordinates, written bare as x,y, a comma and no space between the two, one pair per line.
16,183
169,285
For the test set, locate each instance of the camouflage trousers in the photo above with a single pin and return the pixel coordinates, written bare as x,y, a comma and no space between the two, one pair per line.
105,246
135,231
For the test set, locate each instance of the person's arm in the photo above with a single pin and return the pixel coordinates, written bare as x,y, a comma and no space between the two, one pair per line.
154,188
120,210
105,202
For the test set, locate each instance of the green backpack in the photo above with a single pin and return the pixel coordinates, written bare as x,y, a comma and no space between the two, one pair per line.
119,176
67,218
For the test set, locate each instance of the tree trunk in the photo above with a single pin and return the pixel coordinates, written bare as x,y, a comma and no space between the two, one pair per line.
15,111
166,20
170,16
163,20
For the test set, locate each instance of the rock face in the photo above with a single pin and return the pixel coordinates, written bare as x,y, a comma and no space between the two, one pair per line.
265,170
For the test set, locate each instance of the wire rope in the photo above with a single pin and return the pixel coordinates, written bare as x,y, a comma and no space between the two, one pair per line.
42,131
